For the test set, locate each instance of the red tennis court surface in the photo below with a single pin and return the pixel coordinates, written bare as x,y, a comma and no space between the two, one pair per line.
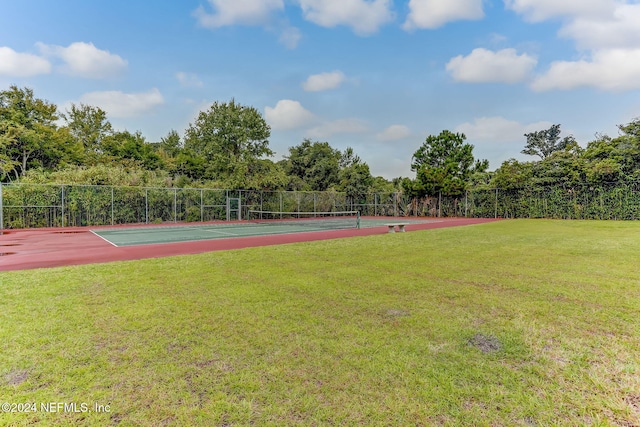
55,247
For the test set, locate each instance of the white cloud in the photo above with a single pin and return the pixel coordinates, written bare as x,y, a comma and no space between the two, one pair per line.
540,10
607,30
364,17
85,60
119,104
288,114
613,69
435,13
394,133
324,81
594,24
17,64
338,127
482,66
232,12
497,39
498,129
619,29
290,37
188,79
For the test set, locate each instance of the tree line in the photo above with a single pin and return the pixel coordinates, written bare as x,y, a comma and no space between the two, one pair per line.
445,165
227,146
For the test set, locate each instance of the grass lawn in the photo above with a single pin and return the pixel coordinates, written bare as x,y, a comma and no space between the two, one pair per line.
513,323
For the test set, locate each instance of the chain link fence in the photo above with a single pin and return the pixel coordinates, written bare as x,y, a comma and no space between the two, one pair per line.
38,205
615,201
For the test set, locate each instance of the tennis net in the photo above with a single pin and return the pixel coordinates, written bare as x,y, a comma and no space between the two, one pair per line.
320,220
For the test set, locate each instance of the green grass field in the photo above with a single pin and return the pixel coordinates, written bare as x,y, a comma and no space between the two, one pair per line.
514,323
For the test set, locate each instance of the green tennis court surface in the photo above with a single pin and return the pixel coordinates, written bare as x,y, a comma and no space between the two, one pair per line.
186,233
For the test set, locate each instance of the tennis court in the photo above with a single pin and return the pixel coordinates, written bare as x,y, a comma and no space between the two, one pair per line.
258,224
54,247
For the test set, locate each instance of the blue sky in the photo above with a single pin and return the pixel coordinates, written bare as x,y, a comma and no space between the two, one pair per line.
376,75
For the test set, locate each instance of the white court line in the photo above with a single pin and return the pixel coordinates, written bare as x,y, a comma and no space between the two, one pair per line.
212,231
108,241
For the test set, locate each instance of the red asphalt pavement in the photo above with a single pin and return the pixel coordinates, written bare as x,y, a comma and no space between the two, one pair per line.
55,247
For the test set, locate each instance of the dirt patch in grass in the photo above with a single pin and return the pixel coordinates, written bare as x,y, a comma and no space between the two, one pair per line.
397,313
634,402
116,418
485,343
16,377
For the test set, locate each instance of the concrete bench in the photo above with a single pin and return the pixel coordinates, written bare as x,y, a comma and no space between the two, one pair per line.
392,227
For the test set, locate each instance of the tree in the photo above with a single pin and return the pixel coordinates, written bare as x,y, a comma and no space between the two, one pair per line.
313,166
603,147
171,144
631,129
602,171
513,174
380,184
89,126
63,151
132,147
615,159
356,181
564,166
543,143
265,175
228,136
628,146
27,131
168,150
189,164
349,158
444,163
355,176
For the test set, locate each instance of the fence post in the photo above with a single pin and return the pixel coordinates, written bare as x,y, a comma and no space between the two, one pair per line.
201,205
112,205
175,205
496,212
62,203
1,209
395,204
439,204
375,204
146,205
466,194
